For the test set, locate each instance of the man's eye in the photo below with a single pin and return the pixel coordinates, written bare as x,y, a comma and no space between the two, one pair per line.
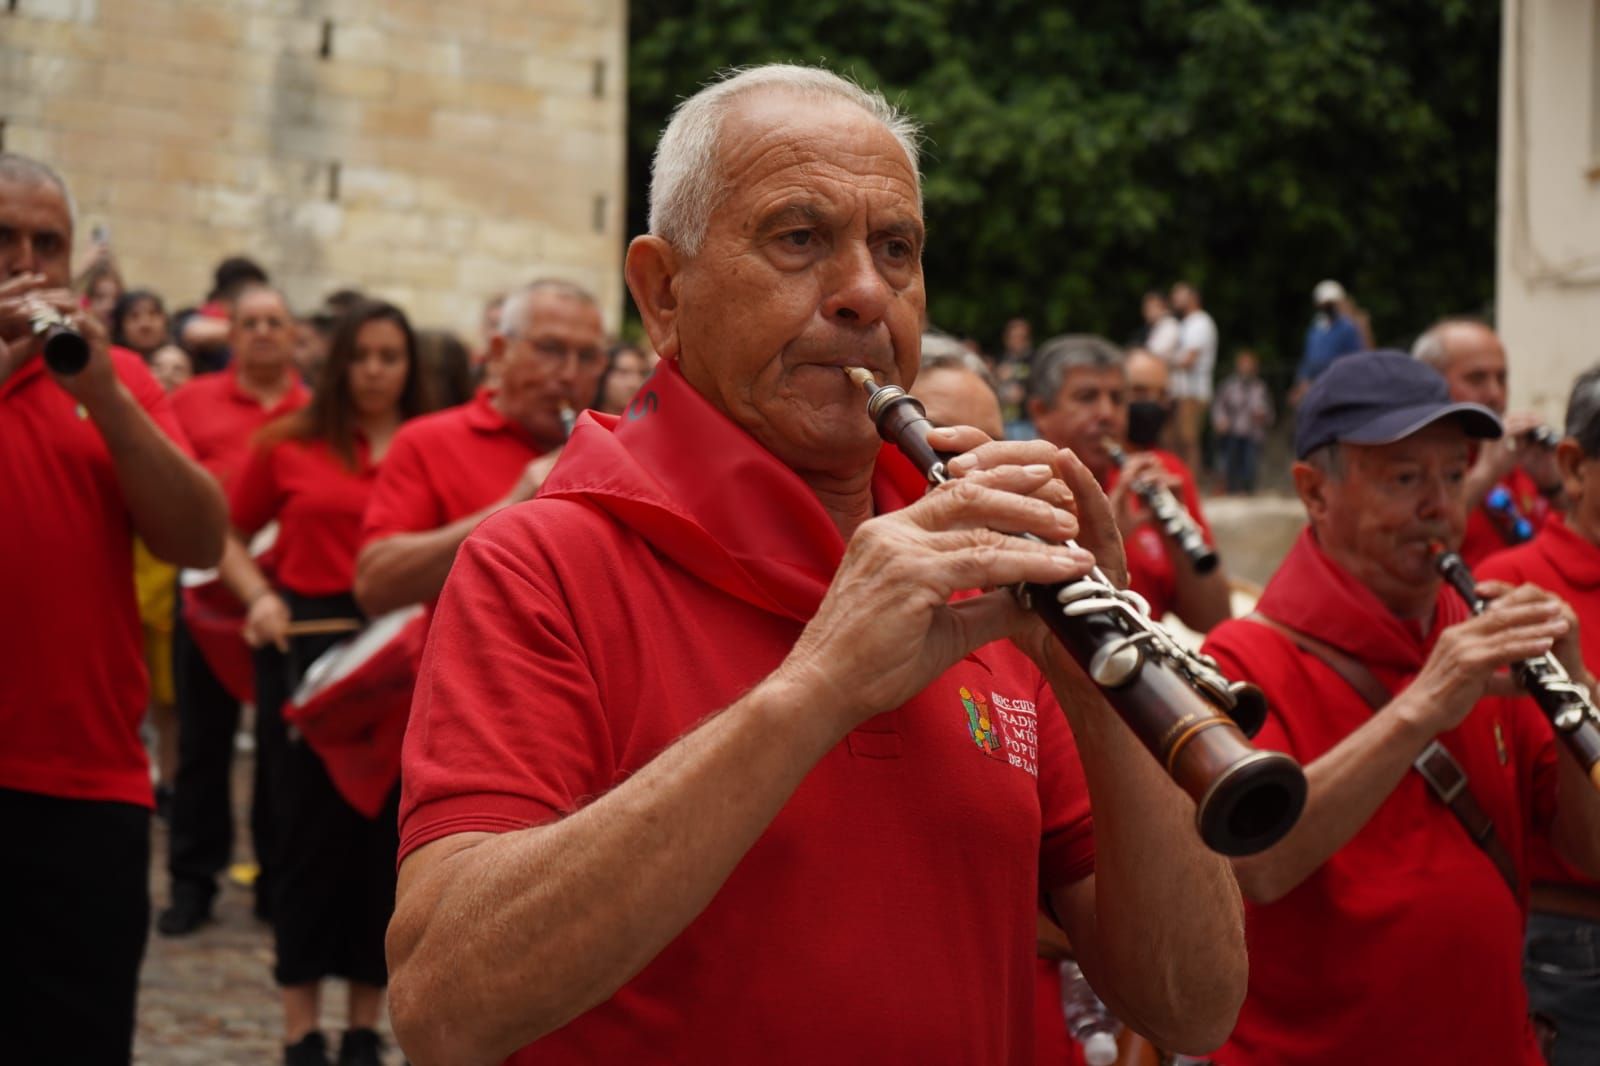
799,238
899,249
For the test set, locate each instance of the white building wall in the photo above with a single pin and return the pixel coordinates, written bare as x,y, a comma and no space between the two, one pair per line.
1548,276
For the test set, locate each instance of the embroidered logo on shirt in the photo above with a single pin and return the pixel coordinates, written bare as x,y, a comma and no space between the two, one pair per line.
978,722
1003,728
643,404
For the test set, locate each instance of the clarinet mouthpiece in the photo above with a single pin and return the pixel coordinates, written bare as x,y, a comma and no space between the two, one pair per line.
861,376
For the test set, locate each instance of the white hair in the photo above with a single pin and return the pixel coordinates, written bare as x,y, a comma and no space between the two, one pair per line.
1431,347
686,183
514,309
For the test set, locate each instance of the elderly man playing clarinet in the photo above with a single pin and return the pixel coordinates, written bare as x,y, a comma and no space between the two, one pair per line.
1386,928
709,762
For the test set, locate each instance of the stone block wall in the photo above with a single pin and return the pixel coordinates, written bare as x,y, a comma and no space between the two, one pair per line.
427,152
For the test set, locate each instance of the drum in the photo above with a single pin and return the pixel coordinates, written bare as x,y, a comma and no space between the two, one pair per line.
353,702
215,620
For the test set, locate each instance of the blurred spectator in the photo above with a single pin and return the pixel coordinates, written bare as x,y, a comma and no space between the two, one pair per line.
447,366
1016,361
203,331
312,335
1191,377
156,585
625,371
1240,416
957,387
1161,331
171,366
139,322
1149,399
101,286
1331,335
488,324
311,472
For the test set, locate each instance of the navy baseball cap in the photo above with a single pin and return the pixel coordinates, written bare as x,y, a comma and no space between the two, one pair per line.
1379,398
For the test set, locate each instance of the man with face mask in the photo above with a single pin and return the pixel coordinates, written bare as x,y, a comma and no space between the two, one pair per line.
448,471
1080,399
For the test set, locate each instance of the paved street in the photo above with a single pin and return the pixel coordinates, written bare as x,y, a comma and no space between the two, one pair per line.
208,999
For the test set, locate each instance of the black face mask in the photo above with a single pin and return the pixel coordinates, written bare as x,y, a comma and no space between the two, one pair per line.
1145,420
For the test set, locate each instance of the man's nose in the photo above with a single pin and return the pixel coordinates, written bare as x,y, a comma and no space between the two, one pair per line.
23,258
859,295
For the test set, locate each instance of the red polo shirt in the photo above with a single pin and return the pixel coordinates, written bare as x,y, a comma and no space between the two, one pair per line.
887,913
1151,570
72,679
1483,537
318,502
221,419
445,466
1562,561
1405,946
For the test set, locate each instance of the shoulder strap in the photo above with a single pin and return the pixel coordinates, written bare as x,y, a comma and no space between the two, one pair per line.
1445,776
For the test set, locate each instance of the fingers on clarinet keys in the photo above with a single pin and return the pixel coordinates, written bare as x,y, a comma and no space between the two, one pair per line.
66,351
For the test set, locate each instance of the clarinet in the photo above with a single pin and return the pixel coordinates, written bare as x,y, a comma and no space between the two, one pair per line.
1191,718
65,350
1565,702
1170,513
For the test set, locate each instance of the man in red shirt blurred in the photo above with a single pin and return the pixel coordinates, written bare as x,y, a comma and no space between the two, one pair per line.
221,414
704,765
449,471
86,462
1382,930
1511,486
1560,966
1078,399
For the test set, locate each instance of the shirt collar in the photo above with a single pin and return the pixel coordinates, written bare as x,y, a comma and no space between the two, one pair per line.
483,416
1572,556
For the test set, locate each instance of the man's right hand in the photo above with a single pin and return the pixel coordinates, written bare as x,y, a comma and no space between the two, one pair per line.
1521,624
887,627
17,301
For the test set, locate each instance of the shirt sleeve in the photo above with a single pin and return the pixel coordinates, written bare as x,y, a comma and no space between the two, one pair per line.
256,495
149,394
504,731
1066,846
403,499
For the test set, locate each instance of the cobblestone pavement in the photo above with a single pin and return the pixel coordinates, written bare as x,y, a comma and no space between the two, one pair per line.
208,999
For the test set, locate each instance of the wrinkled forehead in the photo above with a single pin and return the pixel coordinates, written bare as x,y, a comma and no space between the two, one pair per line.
556,311
260,301
775,144
37,203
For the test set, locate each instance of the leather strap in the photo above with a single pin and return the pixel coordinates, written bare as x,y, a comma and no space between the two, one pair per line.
1444,775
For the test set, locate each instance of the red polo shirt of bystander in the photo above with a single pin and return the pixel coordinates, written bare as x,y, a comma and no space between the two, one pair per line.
318,502
221,420
445,466
1561,561
73,685
887,913
1151,570
1483,537
1405,946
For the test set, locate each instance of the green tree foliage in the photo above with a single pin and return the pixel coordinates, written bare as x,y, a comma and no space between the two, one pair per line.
1081,153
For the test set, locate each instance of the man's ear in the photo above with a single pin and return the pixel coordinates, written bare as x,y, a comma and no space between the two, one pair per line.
1312,486
1570,460
651,270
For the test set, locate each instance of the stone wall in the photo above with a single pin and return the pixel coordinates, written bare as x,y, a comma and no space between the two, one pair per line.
428,152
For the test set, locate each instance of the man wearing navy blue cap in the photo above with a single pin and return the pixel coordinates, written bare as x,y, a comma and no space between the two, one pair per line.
1382,929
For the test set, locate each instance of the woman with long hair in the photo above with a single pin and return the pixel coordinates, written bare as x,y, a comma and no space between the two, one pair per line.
626,369
139,322
332,878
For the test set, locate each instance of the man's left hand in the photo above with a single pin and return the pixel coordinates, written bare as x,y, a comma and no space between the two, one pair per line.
96,384
1073,489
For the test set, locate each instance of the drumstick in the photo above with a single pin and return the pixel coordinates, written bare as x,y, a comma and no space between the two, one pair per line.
321,626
